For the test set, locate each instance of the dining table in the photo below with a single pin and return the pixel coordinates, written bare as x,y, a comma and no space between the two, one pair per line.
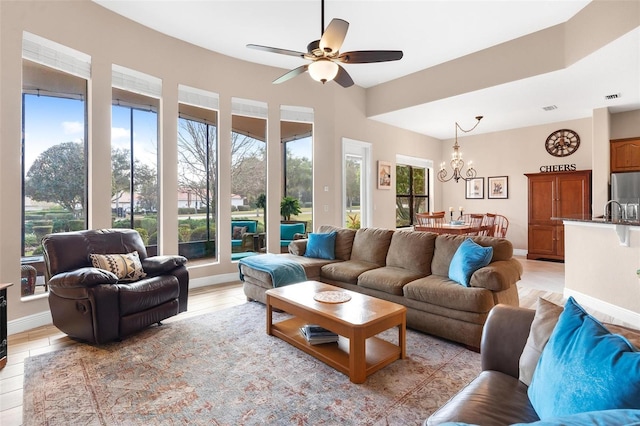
448,228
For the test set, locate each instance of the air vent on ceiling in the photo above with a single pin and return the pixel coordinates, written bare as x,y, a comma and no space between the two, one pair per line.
613,96
550,108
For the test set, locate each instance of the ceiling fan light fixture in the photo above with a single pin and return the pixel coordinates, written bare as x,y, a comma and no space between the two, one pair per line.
323,70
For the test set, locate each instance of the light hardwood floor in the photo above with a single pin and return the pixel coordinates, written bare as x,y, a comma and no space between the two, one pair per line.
544,279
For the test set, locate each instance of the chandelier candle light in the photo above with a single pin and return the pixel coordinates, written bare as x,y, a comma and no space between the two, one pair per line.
457,163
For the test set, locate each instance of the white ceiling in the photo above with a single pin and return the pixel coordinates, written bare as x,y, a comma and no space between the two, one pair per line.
429,33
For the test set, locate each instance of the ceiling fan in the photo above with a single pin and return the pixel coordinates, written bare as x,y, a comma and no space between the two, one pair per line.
324,55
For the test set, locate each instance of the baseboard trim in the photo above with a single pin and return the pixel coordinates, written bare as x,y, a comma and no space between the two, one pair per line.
603,307
520,252
213,280
29,322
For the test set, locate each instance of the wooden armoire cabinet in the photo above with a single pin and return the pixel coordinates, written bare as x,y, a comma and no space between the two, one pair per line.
555,195
625,155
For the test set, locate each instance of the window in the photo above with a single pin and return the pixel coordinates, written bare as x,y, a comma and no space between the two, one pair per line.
356,180
197,180
54,138
248,174
134,154
412,189
297,143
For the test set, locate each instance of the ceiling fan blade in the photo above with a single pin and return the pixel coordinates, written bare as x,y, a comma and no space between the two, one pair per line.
343,78
276,50
334,35
367,56
293,73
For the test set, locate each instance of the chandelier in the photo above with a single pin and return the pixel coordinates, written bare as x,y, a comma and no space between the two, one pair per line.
457,163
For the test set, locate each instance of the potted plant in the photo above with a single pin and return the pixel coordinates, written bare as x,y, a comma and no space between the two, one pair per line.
289,206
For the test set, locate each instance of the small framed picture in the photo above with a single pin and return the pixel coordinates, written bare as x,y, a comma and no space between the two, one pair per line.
384,175
475,188
498,187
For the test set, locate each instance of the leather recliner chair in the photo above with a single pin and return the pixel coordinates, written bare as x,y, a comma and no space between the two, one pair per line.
92,304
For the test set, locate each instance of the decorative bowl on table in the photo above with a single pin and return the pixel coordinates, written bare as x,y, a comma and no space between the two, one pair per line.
457,222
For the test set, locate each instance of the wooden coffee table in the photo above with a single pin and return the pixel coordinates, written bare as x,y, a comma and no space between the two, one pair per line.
358,353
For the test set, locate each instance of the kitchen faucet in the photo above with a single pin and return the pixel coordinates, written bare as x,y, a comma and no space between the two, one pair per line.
623,212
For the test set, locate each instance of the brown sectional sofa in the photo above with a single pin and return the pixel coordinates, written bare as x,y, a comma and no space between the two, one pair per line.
410,268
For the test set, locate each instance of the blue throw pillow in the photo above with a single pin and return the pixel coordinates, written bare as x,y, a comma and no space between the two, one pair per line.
592,418
469,257
321,246
584,368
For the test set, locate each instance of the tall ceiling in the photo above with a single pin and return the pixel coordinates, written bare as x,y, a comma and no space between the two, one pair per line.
429,33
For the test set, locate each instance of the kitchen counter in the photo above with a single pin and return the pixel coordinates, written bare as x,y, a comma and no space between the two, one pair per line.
602,259
599,219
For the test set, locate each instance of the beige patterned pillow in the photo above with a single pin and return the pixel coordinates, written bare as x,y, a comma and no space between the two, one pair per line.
544,322
127,267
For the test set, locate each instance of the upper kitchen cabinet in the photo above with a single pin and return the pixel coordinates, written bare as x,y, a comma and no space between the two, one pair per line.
625,155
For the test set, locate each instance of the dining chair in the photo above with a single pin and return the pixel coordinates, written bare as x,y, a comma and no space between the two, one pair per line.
433,219
488,222
475,222
500,226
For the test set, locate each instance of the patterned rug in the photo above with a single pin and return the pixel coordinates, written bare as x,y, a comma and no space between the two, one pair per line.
223,369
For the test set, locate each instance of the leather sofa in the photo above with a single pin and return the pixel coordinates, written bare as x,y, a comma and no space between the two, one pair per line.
409,268
497,396
93,304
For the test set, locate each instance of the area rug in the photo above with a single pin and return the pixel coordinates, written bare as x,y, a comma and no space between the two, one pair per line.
223,369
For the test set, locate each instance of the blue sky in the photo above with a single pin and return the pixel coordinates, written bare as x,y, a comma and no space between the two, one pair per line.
50,121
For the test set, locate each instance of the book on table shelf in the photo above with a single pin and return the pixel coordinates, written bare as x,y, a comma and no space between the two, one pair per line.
317,335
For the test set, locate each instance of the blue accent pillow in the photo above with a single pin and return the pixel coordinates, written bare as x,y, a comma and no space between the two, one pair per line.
469,257
592,418
321,246
584,368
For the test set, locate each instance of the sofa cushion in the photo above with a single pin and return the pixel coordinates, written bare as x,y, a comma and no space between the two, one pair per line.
494,397
347,271
371,245
469,257
389,279
447,245
584,367
127,267
544,321
321,246
344,240
592,418
441,291
412,251
147,293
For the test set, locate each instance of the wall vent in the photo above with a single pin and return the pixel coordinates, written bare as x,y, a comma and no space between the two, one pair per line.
613,96
550,108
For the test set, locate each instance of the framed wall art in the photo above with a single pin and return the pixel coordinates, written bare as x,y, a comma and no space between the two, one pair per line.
475,188
384,175
498,187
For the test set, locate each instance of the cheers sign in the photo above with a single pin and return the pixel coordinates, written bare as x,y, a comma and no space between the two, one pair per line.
559,168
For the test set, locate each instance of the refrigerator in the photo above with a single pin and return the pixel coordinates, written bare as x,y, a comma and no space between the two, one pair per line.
625,189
